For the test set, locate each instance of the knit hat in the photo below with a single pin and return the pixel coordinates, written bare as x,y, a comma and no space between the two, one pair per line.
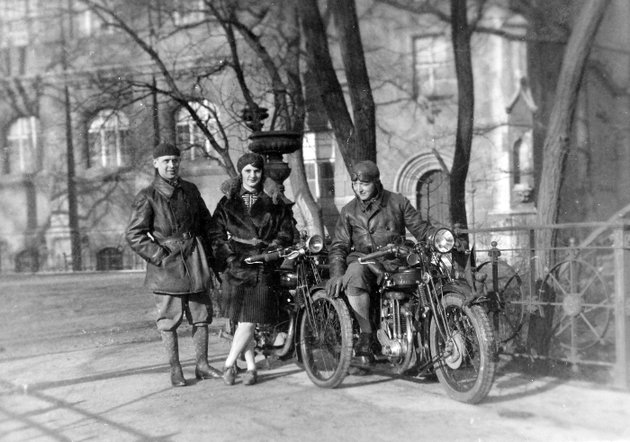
365,171
254,159
165,149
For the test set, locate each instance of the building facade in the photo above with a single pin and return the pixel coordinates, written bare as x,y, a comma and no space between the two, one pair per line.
69,84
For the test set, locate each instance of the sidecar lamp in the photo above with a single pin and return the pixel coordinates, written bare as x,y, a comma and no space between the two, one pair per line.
443,240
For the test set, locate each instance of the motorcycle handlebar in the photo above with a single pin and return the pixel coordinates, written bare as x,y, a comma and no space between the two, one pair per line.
387,250
265,257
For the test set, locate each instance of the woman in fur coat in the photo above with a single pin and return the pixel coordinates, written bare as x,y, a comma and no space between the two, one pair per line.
248,221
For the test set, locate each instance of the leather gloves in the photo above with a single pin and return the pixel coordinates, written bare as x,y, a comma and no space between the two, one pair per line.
334,286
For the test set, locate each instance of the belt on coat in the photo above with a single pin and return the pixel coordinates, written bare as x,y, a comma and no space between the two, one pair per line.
179,237
251,242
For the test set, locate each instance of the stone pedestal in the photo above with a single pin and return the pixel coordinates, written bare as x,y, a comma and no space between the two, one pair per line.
272,145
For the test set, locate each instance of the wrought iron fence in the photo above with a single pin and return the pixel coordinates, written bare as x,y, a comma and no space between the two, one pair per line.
106,258
575,310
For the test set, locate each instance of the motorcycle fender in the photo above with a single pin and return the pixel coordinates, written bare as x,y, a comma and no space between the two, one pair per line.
314,288
464,290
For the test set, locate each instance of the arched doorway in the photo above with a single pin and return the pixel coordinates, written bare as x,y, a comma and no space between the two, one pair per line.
432,196
27,261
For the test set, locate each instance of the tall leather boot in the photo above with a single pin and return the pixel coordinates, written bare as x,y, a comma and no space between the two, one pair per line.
203,370
172,351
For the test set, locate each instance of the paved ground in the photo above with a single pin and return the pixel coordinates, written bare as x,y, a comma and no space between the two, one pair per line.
80,360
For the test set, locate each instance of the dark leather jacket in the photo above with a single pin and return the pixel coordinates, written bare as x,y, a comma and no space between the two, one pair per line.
168,228
237,234
364,228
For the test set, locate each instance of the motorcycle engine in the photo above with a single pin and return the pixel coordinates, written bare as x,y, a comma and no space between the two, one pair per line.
393,324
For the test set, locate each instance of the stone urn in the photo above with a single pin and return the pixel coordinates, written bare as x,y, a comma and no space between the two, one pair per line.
272,145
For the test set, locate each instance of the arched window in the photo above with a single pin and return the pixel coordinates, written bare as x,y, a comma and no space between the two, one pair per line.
108,139
27,261
20,155
522,170
432,197
190,139
109,258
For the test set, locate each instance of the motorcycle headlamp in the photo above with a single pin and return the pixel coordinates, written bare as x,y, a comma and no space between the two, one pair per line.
443,240
315,244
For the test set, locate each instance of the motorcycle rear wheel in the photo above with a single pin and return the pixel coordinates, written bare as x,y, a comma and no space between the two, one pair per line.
326,341
466,361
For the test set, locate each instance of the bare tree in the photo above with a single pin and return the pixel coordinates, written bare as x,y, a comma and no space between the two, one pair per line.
261,42
461,34
355,137
560,123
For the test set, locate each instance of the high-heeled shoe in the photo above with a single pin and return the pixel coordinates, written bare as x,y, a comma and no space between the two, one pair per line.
250,377
229,375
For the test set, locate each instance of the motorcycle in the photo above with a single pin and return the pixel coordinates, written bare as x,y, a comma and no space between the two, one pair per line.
312,326
429,322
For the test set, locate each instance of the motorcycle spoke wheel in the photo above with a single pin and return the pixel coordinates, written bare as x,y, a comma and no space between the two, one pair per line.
464,346
326,341
577,299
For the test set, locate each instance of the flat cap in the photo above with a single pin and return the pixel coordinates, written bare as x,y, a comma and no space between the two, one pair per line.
165,149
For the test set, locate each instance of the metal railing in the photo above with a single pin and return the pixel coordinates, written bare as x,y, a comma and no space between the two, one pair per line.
31,260
575,310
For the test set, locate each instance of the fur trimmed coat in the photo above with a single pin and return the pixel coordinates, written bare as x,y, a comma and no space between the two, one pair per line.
236,234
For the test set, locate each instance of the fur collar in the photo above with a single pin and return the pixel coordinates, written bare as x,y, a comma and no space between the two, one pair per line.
232,187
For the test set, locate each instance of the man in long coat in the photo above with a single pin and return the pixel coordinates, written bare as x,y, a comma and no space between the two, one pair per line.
168,228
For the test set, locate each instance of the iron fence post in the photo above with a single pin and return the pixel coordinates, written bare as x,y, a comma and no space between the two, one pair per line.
622,319
494,254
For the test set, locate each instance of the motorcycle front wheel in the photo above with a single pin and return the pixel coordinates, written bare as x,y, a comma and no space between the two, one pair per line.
461,338
326,340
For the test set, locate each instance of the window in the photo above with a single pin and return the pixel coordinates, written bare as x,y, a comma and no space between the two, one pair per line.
27,261
522,160
85,23
108,139
320,176
15,22
188,11
432,197
522,170
434,67
319,156
190,139
20,153
109,258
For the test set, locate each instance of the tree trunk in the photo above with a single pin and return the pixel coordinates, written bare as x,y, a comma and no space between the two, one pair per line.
321,66
347,24
465,112
556,143
465,118
303,197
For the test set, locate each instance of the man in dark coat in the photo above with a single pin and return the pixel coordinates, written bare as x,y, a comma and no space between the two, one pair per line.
168,228
374,218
